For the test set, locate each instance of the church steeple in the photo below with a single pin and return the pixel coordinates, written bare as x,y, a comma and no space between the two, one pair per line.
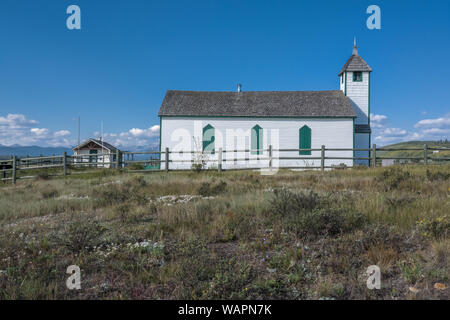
354,79
355,62
355,48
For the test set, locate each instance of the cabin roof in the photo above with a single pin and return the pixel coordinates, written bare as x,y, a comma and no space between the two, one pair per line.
105,145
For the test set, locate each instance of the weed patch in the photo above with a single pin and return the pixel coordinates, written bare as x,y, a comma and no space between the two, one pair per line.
208,190
286,202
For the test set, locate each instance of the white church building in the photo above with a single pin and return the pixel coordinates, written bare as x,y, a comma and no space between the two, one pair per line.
195,121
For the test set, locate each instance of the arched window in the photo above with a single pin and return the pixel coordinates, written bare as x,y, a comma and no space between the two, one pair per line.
257,137
305,140
208,139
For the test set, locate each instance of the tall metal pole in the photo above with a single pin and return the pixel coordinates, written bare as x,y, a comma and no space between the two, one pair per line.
79,130
103,149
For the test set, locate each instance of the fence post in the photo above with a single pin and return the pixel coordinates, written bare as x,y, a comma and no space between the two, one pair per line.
270,157
219,160
64,163
374,155
167,159
117,160
322,158
14,169
425,154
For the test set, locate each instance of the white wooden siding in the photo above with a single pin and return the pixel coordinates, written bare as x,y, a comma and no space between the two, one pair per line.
185,134
358,92
98,158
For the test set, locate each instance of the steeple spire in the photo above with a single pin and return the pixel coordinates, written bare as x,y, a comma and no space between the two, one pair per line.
355,48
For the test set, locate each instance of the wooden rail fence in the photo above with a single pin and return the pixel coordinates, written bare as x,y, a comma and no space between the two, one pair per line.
9,168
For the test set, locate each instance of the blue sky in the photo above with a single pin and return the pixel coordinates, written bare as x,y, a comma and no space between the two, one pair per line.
117,68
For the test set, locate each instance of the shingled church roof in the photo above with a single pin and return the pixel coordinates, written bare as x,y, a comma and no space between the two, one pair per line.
257,104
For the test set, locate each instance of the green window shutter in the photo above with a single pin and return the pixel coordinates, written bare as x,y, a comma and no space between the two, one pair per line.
305,140
208,139
257,137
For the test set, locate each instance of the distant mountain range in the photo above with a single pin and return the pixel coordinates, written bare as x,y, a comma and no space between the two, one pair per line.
36,151
32,151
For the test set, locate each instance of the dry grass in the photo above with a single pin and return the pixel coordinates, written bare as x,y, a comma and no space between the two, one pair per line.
294,235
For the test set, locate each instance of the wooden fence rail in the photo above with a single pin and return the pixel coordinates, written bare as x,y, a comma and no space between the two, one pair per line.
9,168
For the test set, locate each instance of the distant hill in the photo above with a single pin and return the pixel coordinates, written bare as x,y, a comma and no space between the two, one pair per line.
36,151
416,153
32,151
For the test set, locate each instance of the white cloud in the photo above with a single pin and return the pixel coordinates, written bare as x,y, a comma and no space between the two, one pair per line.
135,137
62,133
150,132
436,131
443,122
377,120
378,117
154,128
39,131
394,132
15,120
426,129
17,129
382,133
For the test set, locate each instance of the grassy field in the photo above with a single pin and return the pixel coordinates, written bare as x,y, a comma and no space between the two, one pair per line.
432,154
234,235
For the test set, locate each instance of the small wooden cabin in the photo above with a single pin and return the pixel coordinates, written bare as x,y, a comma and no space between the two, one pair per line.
96,153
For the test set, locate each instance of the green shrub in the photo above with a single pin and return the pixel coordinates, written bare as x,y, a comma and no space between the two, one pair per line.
136,181
136,166
49,192
392,178
436,176
113,194
42,175
229,280
81,234
325,222
122,211
285,202
206,190
399,201
412,269
109,195
434,227
376,234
